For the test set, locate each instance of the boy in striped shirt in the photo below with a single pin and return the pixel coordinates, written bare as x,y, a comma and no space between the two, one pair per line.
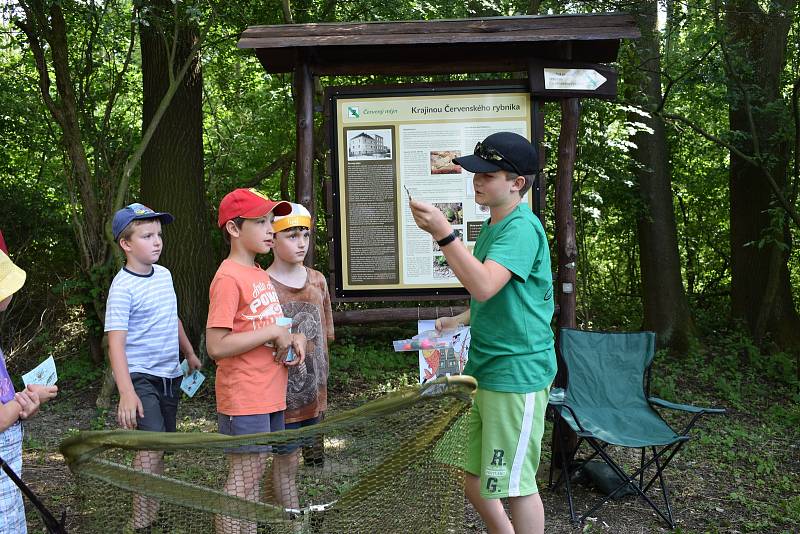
145,337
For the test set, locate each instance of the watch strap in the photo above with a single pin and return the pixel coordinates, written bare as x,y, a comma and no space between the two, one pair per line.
447,239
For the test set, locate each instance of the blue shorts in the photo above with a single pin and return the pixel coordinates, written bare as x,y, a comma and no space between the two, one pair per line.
239,425
306,441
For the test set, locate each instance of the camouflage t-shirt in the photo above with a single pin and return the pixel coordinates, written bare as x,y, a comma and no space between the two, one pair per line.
310,309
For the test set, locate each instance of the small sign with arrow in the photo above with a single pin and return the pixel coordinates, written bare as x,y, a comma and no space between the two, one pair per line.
573,79
552,79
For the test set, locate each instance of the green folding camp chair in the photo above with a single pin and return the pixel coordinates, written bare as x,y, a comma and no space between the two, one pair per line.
606,402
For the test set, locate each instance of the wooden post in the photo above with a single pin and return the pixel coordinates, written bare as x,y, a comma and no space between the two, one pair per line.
304,167
538,141
567,248
565,222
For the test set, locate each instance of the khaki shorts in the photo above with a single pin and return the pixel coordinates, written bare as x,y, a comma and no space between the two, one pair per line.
505,441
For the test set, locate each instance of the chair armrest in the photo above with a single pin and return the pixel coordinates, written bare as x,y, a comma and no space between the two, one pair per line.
557,400
683,407
556,396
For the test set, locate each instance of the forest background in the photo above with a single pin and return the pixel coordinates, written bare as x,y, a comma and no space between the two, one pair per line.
685,193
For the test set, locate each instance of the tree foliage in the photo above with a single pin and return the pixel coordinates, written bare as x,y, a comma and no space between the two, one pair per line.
56,212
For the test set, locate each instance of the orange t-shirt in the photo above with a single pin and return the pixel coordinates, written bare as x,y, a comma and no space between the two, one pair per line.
242,299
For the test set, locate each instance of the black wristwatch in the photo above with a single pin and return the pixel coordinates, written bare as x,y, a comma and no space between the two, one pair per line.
447,239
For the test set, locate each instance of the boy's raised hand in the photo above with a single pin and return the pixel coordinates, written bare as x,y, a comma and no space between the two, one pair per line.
430,218
129,407
29,403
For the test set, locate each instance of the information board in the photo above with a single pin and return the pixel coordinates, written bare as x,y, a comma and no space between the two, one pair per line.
388,146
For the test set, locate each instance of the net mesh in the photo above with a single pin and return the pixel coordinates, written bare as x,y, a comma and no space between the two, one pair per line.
390,465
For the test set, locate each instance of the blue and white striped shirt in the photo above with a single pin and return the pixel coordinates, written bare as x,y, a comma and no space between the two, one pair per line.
146,307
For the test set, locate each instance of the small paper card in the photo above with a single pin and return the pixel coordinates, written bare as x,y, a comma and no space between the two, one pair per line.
190,384
43,374
287,322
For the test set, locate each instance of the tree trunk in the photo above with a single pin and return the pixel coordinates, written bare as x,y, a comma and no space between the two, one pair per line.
172,166
666,310
760,289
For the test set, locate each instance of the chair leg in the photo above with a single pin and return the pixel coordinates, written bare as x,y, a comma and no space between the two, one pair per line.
620,473
673,451
627,480
641,469
571,457
556,437
565,469
664,489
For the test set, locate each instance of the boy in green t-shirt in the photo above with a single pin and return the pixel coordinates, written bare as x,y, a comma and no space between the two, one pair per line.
511,353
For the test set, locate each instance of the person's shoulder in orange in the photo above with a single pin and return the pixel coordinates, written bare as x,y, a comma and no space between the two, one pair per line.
224,295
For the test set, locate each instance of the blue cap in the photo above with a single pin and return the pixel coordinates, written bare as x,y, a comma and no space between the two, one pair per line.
133,212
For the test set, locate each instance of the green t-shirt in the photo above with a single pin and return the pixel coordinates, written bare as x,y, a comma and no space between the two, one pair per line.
512,343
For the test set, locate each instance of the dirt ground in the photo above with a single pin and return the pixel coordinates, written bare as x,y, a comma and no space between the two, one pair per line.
700,488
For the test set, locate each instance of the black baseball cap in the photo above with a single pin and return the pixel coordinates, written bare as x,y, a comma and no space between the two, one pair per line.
502,151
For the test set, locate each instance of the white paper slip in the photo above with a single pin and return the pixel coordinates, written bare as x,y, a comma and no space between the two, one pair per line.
190,384
43,374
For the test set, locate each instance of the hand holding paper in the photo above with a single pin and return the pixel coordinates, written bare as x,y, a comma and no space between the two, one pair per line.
287,322
45,393
191,383
194,363
430,219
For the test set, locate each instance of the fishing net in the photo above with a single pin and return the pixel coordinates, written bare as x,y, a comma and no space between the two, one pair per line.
390,465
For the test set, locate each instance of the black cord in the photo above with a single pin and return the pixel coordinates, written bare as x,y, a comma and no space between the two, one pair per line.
53,526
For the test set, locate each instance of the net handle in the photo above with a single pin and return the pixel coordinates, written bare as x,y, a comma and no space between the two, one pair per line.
462,380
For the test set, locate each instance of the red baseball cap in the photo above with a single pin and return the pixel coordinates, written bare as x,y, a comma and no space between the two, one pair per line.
249,204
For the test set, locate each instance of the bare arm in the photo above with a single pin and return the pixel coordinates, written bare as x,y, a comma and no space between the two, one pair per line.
223,343
9,414
25,404
185,346
129,403
482,280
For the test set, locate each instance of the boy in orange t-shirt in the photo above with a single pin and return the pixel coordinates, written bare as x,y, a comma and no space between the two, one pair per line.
248,347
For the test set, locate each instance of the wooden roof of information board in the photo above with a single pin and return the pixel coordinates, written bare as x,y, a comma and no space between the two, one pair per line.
494,44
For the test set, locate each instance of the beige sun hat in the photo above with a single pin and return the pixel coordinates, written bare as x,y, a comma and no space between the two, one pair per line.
12,278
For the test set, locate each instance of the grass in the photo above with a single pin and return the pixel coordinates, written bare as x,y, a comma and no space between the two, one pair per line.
740,473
